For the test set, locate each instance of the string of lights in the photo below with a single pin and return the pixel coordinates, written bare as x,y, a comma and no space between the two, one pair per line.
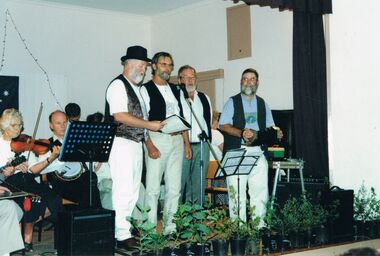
8,17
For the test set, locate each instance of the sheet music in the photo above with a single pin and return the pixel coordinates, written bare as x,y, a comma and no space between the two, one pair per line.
175,123
231,159
238,161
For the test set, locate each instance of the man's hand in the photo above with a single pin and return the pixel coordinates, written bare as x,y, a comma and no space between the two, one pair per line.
280,134
156,125
22,167
249,135
153,152
4,190
188,152
55,153
8,171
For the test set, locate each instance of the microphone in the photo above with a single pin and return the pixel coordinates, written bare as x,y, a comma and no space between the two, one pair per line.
182,87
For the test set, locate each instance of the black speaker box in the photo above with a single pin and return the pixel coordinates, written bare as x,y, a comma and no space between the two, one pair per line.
85,232
286,190
340,227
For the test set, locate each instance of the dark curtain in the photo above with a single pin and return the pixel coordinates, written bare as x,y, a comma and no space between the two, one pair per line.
309,80
308,6
310,93
8,92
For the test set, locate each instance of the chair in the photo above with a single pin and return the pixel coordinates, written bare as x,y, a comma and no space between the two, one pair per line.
211,190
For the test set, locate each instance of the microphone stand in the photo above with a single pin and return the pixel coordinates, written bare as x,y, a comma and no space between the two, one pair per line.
203,138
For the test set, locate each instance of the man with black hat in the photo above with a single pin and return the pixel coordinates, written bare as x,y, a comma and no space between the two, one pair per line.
124,103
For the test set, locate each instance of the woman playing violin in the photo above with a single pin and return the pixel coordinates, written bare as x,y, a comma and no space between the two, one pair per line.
18,178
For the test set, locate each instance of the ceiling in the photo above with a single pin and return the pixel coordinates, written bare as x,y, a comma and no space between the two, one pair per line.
141,7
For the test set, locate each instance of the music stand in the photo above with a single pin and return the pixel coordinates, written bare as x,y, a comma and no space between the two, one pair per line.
237,162
87,142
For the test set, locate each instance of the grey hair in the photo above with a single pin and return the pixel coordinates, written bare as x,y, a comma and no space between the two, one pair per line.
7,116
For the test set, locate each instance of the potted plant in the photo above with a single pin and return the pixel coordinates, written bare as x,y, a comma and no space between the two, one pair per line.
314,218
238,229
151,241
192,229
366,212
299,216
272,235
253,232
220,226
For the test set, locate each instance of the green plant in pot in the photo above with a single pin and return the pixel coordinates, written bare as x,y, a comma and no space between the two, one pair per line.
313,216
192,228
299,216
273,228
366,212
220,225
238,229
253,232
151,241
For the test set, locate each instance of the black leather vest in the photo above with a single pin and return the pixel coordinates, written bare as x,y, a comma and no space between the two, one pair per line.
134,108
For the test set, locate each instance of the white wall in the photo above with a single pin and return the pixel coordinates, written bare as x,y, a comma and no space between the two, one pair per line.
197,35
79,48
354,91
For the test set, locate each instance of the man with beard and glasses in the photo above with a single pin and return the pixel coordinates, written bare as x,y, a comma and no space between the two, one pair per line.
124,102
243,116
193,178
164,152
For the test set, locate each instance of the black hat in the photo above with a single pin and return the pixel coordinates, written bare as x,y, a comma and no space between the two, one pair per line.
136,52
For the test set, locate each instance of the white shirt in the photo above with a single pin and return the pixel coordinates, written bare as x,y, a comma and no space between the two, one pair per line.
217,139
171,102
197,106
118,100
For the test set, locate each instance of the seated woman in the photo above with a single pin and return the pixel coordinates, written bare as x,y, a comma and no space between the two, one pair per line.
19,177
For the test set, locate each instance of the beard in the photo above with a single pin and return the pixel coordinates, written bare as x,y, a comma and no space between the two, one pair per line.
163,75
191,88
248,91
137,78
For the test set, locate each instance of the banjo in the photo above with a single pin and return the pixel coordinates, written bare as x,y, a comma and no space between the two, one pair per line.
66,171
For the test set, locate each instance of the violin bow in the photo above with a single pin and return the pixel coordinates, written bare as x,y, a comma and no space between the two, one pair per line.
36,126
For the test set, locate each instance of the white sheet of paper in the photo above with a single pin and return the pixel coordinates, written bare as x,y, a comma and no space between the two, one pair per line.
175,124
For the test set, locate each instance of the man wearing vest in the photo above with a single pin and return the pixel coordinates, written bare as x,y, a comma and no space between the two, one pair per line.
164,152
243,116
191,171
124,102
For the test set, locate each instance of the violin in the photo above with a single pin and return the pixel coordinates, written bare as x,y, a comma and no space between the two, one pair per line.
27,143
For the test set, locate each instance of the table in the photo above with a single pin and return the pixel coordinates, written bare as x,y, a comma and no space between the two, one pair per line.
288,165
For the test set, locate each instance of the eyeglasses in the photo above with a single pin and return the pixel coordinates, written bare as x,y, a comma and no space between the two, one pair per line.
246,79
16,125
170,65
188,78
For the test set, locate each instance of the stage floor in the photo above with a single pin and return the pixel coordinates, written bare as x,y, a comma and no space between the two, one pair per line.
46,247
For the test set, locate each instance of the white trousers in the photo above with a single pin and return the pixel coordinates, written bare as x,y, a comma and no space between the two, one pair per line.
126,160
169,165
11,239
257,182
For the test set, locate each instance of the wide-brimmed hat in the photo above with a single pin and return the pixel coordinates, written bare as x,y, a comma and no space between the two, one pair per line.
136,52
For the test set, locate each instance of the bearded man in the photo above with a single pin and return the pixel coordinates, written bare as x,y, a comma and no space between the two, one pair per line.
243,116
125,104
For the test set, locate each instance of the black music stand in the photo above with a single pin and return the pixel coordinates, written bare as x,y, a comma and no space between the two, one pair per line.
237,162
87,142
